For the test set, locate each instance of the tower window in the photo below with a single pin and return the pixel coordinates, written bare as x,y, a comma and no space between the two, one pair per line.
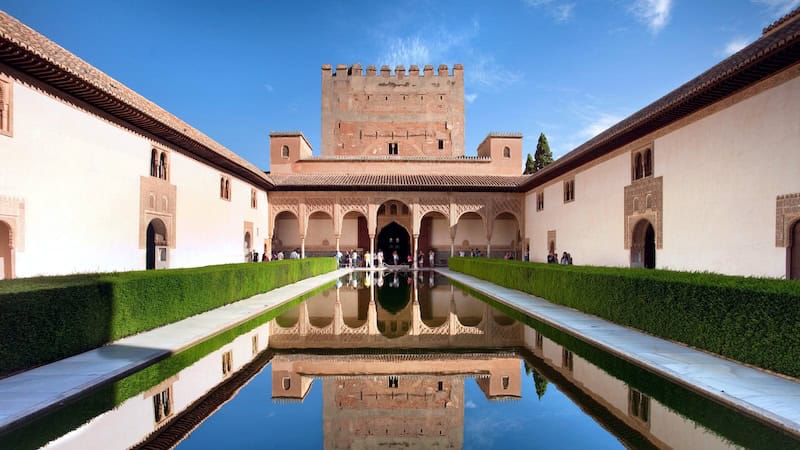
393,148
506,152
441,144
285,151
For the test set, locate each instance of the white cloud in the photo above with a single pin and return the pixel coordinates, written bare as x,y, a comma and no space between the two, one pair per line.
469,98
600,123
653,13
778,8
485,72
407,51
560,10
470,405
734,46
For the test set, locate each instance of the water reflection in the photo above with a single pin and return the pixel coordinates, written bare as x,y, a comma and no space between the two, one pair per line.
403,359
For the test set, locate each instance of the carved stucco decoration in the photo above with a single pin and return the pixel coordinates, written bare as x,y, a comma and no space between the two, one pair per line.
440,205
644,199
787,212
508,205
359,205
325,205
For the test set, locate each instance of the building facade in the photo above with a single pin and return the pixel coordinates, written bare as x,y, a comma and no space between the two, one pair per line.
706,178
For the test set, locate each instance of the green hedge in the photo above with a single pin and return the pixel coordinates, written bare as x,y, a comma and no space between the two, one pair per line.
50,318
752,320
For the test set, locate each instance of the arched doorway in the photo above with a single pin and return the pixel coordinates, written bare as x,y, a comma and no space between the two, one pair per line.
248,247
505,236
6,262
286,233
643,245
394,237
794,252
156,248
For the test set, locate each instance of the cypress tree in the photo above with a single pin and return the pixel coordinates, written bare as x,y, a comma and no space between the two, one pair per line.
530,165
543,155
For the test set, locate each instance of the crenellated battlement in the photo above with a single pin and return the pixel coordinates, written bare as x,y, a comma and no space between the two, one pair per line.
399,72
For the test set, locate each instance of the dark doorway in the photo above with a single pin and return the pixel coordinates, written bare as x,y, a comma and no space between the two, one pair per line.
643,246
794,252
151,247
156,242
6,269
394,237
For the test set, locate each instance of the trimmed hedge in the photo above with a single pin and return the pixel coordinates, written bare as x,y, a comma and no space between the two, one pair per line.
50,318
752,320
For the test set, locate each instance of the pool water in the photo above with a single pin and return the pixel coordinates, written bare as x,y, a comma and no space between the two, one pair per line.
395,360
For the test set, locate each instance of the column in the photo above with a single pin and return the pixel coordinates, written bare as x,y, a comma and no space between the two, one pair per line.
269,247
302,246
372,249
338,237
414,252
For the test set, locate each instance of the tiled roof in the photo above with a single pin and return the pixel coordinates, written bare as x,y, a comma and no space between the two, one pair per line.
456,183
792,15
33,54
763,58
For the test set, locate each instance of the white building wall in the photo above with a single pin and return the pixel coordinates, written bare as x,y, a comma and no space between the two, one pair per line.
81,212
721,177
79,178
591,227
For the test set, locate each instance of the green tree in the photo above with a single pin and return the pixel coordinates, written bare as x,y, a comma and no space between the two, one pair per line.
543,155
540,383
530,165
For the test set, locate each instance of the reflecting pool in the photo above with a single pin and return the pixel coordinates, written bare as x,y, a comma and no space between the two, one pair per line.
394,360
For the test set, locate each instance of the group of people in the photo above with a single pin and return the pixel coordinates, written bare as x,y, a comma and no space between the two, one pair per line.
355,259
276,256
566,258
473,252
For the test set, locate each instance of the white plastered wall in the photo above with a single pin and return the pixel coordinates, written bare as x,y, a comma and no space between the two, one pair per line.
721,175
79,178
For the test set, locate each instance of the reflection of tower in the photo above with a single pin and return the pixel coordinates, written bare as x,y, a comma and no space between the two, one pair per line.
388,411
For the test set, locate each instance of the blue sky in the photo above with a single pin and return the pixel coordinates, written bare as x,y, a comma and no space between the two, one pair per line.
237,70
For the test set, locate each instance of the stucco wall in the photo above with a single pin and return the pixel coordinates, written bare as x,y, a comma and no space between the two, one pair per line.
722,169
79,178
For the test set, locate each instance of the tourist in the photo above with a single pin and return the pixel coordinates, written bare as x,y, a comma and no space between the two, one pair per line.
432,258
409,259
281,255
420,259
380,258
395,257
368,259
564,259
552,258
569,258
294,255
461,253
526,255
354,259
338,256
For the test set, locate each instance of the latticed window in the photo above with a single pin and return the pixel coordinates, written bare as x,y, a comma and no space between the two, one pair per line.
642,164
540,201
569,191
162,405
5,106
638,405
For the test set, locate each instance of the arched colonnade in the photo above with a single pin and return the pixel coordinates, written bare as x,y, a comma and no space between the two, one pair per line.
491,223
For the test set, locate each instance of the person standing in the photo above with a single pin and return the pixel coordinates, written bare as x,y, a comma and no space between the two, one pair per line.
432,258
367,259
380,258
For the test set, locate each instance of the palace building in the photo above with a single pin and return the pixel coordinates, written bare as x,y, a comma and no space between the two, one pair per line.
97,178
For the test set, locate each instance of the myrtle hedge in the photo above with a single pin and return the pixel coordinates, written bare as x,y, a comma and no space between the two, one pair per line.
49,318
752,320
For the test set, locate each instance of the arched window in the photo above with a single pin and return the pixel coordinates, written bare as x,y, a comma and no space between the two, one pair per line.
648,162
285,151
221,187
393,209
162,166
154,163
637,166
506,152
227,189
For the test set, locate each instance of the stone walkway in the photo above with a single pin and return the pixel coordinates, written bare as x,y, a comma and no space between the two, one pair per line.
770,397
37,390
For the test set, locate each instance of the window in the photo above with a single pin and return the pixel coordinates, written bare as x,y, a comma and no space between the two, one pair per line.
5,106
506,152
254,342
253,198
505,381
569,191
441,144
224,187
638,405
539,341
393,148
566,359
285,152
162,405
158,164
642,164
540,201
393,381
440,386
227,362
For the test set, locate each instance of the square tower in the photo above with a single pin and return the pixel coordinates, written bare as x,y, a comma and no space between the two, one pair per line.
405,113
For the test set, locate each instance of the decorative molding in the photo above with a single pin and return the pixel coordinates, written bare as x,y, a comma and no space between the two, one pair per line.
12,212
644,199
318,204
157,200
359,205
787,213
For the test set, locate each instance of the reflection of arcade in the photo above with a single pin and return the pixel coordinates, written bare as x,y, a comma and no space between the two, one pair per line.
414,400
394,316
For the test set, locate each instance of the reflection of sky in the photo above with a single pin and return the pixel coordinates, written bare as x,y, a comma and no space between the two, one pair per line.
553,422
252,421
